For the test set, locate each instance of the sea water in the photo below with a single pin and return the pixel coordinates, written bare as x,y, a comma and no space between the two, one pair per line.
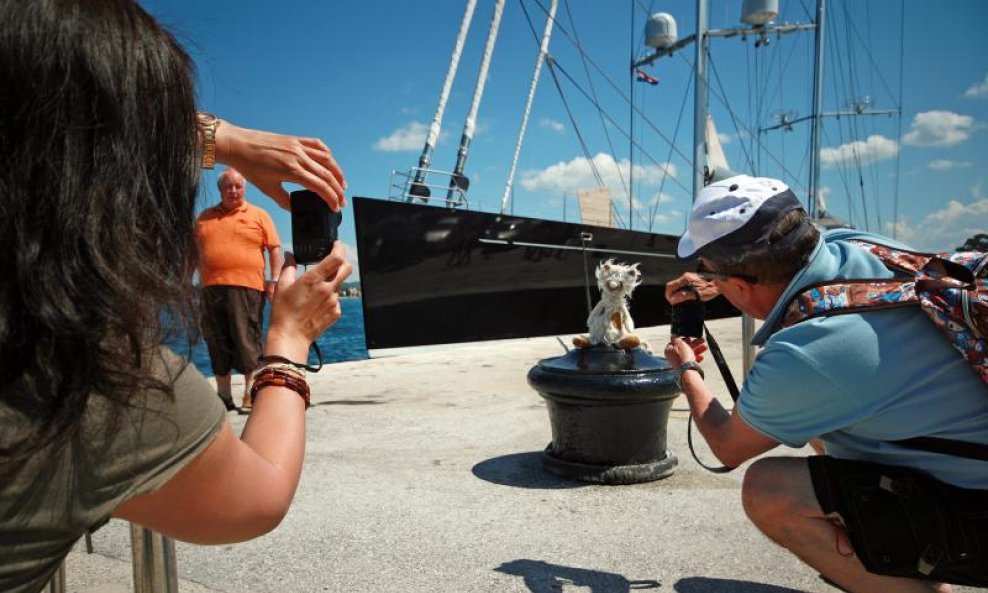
342,342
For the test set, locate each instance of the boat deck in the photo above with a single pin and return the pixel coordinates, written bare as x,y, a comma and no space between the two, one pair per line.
423,475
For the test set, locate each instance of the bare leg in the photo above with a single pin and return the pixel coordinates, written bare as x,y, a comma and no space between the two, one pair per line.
248,382
778,498
223,387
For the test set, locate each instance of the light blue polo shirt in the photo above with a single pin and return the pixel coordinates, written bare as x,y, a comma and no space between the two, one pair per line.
859,381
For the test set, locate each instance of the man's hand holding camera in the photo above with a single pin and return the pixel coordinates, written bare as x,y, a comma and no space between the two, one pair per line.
688,286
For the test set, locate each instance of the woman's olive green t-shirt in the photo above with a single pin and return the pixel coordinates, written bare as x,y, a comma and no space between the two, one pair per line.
47,502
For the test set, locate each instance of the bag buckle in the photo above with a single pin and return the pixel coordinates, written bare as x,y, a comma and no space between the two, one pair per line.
900,488
929,559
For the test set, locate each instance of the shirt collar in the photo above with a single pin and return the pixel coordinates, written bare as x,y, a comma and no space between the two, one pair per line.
813,272
832,260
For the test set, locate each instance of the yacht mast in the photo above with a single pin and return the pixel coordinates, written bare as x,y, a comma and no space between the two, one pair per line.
458,182
700,98
418,188
541,57
815,130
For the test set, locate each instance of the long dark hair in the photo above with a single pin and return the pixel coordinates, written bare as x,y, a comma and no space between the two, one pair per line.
98,177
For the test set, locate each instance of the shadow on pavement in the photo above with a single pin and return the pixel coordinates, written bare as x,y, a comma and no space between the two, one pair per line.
521,470
543,577
705,585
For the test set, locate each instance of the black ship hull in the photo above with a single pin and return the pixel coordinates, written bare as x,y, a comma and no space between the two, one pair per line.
434,275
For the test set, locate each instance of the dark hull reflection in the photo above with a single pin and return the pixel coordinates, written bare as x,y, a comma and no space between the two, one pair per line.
433,275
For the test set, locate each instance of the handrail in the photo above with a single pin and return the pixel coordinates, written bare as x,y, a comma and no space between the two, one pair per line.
155,564
412,185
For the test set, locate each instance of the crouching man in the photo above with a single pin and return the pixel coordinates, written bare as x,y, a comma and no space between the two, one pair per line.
870,515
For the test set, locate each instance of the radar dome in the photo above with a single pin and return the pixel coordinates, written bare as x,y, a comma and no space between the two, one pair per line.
660,30
759,12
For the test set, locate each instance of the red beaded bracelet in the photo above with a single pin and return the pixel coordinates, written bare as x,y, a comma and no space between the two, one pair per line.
268,376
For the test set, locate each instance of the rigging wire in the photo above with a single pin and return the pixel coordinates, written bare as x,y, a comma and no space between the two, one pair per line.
665,171
876,187
549,61
631,123
723,101
734,119
750,88
852,124
593,92
620,93
847,188
626,134
842,95
898,130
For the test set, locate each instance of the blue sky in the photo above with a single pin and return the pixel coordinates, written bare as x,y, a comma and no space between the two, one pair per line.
365,77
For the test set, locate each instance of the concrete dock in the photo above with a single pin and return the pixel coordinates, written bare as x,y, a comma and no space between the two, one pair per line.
423,475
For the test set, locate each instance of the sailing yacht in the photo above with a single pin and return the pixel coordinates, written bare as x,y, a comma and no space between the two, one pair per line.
436,270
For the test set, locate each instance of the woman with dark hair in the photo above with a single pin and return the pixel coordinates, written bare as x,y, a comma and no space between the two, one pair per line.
101,147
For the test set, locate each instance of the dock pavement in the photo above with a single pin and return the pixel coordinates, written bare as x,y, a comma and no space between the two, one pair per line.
423,475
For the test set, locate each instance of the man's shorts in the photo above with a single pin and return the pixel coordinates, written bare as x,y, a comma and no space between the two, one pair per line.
905,523
231,325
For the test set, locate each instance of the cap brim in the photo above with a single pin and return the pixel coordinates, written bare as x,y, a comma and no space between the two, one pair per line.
686,250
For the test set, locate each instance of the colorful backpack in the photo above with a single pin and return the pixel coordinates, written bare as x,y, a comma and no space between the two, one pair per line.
952,289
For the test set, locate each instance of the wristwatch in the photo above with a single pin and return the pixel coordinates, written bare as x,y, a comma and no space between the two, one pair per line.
208,124
690,365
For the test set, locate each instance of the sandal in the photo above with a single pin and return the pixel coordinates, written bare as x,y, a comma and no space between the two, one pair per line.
245,410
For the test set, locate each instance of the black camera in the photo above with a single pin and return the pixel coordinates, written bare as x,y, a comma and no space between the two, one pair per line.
687,318
314,227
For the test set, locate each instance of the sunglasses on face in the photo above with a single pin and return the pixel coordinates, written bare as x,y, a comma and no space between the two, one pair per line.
708,275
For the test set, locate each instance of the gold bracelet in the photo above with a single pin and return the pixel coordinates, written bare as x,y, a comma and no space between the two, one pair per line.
208,123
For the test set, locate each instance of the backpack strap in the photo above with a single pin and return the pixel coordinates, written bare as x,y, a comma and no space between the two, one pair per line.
928,276
947,447
853,296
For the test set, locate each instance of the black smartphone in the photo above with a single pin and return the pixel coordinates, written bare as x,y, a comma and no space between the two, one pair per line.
687,319
314,226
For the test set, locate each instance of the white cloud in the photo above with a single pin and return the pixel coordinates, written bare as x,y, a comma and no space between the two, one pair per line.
724,138
577,174
552,125
978,90
944,230
409,137
946,165
939,128
669,216
875,148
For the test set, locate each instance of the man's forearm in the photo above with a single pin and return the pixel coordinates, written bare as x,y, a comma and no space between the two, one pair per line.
708,413
275,262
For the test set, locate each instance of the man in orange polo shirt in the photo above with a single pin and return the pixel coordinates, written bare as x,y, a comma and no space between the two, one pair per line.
232,237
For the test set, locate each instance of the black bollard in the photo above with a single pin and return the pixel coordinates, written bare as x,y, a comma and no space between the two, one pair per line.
609,410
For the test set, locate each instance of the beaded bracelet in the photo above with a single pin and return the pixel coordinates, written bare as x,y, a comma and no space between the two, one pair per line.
275,377
282,366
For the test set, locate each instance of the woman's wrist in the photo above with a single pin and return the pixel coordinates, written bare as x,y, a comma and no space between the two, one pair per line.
290,348
224,132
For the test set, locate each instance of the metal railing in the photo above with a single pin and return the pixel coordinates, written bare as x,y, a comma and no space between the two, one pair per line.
154,562
415,185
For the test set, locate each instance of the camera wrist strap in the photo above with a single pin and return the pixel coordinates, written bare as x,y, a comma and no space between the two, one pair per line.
725,371
732,387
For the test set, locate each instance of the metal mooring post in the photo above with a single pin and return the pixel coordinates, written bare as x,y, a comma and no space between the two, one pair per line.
57,582
747,350
155,565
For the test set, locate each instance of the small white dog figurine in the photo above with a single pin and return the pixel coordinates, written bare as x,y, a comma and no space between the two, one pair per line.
610,321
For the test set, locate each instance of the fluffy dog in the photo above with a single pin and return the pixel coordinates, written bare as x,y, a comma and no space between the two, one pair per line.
610,321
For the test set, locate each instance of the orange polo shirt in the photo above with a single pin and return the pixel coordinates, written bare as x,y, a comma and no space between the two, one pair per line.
231,246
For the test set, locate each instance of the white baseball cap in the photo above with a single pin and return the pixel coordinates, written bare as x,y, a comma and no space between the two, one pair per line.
737,212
